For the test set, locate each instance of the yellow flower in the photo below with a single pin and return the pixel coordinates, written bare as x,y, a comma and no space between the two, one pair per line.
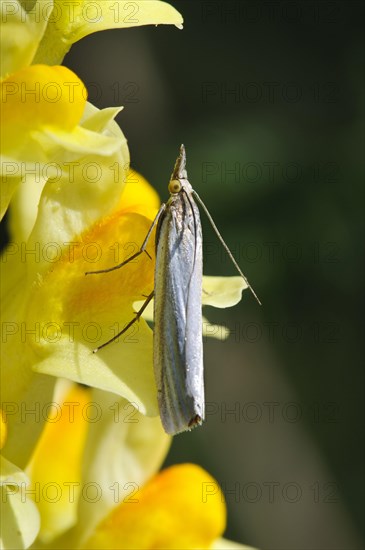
41,106
48,133
182,507
75,19
20,519
50,310
56,465
43,31
95,449
106,455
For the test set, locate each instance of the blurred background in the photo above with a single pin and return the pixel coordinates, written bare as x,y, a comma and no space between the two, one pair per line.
268,99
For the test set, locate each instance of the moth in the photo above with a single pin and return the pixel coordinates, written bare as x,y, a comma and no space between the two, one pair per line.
177,337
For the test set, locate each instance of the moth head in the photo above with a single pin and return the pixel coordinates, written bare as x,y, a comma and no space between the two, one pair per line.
175,186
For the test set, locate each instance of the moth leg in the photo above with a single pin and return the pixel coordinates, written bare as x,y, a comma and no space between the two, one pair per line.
140,251
137,316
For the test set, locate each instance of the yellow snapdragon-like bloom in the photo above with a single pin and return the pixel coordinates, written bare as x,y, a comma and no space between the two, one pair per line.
63,167
43,31
182,507
20,519
41,106
46,133
103,490
94,450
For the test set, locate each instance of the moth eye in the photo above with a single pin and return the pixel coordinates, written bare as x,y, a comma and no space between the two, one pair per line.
174,186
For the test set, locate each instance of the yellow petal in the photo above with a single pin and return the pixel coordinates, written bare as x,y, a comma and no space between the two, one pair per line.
224,544
19,515
222,291
3,429
180,508
55,467
139,196
75,19
66,208
75,313
37,104
41,96
87,186
124,449
24,396
21,32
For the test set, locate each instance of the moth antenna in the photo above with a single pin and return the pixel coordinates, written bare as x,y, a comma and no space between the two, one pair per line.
225,245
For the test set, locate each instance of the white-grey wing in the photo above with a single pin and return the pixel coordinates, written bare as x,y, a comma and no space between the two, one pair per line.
178,353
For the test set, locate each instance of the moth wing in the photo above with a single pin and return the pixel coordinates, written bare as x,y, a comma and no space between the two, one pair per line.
178,348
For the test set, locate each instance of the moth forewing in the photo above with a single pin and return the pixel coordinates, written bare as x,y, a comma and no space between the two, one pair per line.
178,346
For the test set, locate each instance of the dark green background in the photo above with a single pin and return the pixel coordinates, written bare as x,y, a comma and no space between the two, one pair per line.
275,91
